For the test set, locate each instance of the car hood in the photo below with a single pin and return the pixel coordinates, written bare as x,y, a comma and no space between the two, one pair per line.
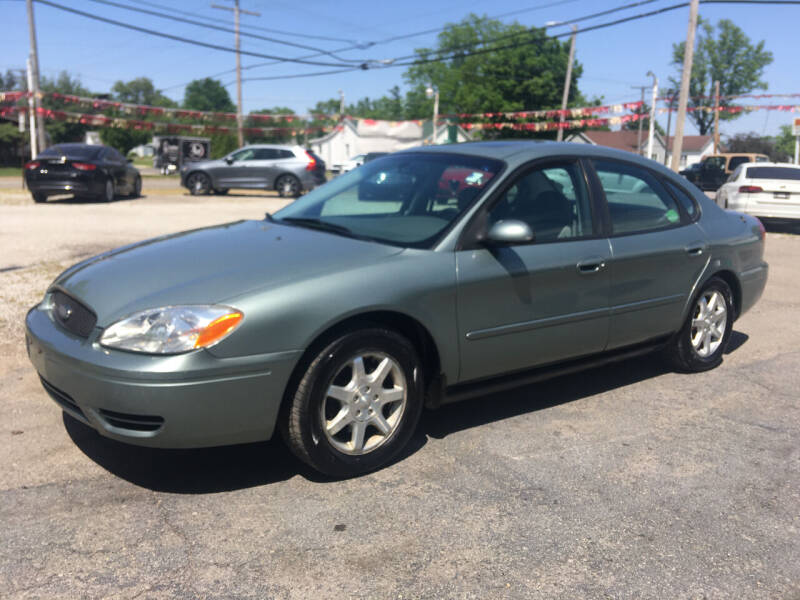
210,265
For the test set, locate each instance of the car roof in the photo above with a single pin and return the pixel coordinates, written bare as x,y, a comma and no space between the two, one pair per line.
515,152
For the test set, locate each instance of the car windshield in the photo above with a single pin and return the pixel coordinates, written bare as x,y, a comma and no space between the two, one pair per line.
79,151
404,199
773,173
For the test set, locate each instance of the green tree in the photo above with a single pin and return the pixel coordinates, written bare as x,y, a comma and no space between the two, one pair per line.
124,140
784,144
752,142
634,125
141,91
728,57
11,142
64,83
208,95
523,72
272,137
11,81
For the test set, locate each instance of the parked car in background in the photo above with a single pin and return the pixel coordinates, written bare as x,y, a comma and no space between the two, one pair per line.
290,170
85,170
357,161
715,169
334,320
692,172
763,189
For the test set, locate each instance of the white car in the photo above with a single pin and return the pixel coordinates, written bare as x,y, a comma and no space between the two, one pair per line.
352,163
763,190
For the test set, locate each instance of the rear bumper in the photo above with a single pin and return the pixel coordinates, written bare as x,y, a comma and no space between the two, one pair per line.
184,401
65,186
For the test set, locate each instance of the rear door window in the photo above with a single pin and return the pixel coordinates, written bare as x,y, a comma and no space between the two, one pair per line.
689,205
265,154
786,173
736,161
637,202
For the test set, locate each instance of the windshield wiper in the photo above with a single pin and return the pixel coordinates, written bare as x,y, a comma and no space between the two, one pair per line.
313,223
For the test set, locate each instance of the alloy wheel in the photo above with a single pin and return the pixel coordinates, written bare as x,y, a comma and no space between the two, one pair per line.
709,321
364,403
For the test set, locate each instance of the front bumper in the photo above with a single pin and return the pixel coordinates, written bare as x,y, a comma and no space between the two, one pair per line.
181,401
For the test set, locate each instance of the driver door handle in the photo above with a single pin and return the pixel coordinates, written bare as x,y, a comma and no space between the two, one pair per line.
591,265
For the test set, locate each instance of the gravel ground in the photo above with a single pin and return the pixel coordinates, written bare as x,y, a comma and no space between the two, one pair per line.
627,482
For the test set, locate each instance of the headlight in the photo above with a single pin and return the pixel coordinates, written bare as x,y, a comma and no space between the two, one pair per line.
172,329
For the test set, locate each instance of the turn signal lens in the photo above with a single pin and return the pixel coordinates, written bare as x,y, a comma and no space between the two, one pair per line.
750,189
84,166
218,329
34,164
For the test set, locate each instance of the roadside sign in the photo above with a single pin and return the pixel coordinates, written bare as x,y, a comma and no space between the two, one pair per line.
796,126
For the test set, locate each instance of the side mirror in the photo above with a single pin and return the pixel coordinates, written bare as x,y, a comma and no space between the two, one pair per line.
510,231
229,160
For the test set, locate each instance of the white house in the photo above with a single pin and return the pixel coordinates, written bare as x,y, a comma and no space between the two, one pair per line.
352,137
694,149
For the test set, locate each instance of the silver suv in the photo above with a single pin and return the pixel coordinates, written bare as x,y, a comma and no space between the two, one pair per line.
290,170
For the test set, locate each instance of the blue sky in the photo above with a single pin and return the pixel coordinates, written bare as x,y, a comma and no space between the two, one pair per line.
614,59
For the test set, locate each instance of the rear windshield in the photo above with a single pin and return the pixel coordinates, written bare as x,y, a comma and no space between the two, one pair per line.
773,173
80,151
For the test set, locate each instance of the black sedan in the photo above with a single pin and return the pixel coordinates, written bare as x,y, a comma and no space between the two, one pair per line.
93,171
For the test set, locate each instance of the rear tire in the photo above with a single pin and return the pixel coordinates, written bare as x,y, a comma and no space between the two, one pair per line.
137,188
108,191
221,192
701,342
357,404
288,186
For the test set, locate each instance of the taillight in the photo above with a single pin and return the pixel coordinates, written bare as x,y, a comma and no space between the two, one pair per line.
750,189
313,162
761,228
84,166
34,164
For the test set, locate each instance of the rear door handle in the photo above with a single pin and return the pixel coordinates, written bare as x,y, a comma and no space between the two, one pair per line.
695,249
591,265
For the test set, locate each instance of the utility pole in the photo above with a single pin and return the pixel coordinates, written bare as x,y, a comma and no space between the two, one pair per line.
651,132
683,98
642,88
31,110
670,102
236,12
567,81
34,87
716,117
341,105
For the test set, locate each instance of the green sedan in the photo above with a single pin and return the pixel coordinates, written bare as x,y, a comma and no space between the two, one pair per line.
420,278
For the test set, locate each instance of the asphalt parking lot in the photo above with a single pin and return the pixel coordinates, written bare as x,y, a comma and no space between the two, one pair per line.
629,481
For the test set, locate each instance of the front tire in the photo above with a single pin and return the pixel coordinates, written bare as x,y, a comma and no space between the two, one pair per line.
199,184
357,404
288,186
39,198
702,340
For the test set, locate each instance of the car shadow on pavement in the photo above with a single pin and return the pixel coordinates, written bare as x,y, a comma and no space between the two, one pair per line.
791,226
490,408
227,468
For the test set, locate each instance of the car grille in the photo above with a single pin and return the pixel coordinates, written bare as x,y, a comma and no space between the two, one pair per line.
72,315
63,399
132,422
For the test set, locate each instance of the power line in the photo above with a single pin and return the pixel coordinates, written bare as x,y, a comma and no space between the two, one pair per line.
217,27
183,39
260,28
